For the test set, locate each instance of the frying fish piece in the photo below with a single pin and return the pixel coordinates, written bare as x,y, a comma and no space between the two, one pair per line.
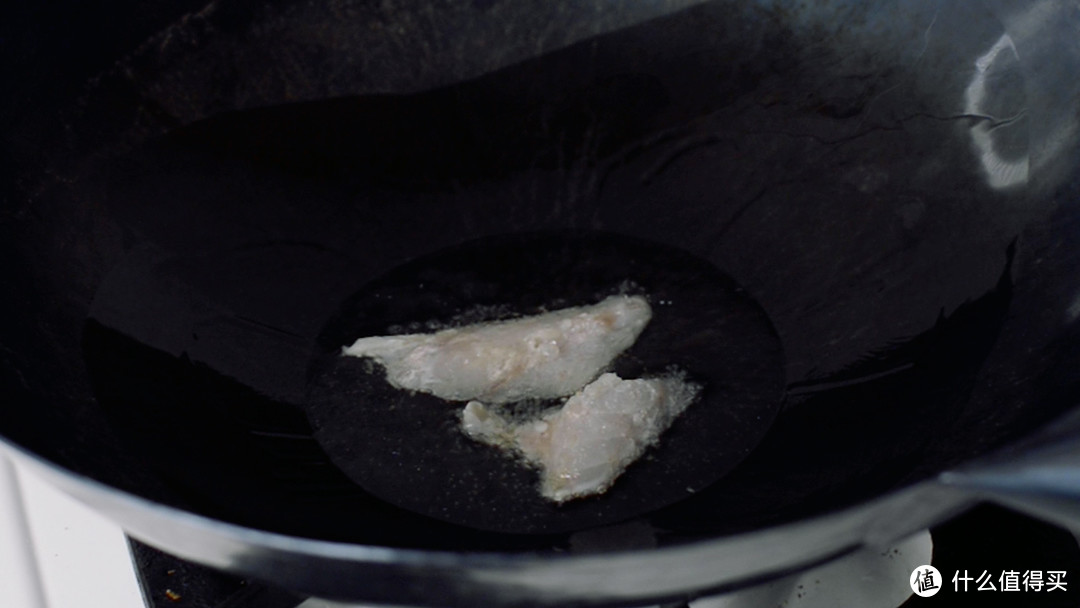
544,356
582,447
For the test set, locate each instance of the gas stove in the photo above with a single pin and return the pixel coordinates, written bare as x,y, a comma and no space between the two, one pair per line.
56,553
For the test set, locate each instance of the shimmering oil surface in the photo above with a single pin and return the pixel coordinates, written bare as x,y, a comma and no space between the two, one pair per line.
407,448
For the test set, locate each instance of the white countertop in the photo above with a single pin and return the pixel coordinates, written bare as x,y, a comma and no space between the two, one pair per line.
56,553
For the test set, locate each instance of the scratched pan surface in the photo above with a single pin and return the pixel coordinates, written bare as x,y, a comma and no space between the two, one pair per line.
891,183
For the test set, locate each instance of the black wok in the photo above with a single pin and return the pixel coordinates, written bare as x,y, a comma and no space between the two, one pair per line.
885,192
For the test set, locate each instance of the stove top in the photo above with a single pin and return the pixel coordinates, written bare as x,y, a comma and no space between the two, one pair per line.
170,582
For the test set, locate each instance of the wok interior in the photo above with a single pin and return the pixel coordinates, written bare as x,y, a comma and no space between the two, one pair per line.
177,289
408,448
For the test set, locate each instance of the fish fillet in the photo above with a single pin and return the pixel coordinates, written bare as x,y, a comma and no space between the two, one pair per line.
582,447
543,356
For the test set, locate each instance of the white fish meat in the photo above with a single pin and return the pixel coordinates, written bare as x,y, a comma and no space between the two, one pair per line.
582,447
543,356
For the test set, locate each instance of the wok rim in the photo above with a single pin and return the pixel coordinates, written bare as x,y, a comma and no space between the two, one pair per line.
694,568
